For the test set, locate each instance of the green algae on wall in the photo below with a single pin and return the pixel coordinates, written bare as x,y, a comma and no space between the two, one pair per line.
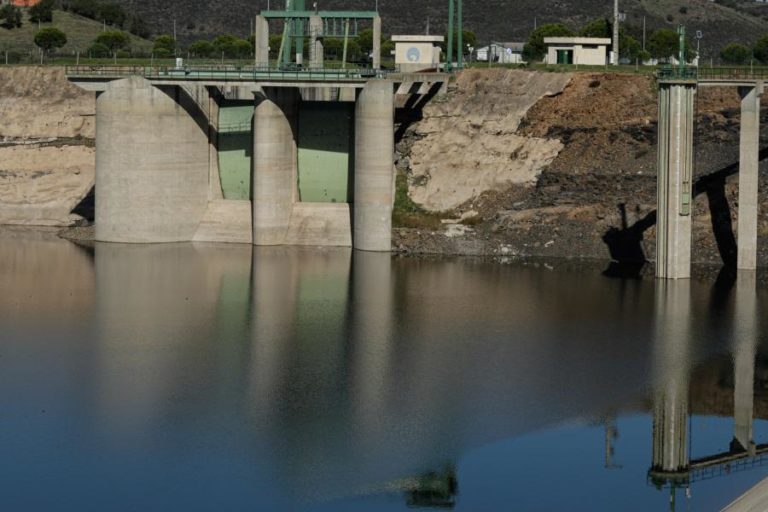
325,151
235,148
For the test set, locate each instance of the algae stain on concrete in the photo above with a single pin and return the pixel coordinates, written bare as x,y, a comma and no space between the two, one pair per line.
235,148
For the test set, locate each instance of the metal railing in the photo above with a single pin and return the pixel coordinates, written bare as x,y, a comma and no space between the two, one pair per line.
713,73
227,72
677,73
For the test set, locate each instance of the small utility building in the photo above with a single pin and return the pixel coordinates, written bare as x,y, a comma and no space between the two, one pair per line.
588,51
504,53
417,53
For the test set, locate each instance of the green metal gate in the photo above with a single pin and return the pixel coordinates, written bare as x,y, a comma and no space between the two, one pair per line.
326,151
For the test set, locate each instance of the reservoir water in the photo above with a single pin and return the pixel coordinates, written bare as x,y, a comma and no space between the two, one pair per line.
222,377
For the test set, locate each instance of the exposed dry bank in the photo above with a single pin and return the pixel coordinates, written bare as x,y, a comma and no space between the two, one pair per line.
597,196
47,156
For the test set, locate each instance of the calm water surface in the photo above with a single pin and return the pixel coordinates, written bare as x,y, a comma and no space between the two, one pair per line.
216,377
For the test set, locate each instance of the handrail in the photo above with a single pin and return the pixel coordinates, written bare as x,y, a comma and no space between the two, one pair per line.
227,72
712,73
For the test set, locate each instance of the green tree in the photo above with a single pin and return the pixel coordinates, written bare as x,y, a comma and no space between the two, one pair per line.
535,49
597,28
42,12
201,48
113,39
760,51
735,53
98,51
49,39
275,40
665,44
629,47
231,47
365,40
165,42
469,39
10,16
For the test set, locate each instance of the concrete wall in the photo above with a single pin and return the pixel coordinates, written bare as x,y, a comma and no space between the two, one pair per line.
151,164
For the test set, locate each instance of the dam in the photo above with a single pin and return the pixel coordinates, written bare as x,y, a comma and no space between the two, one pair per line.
285,154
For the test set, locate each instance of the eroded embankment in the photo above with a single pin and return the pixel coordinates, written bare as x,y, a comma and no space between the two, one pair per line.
47,155
596,198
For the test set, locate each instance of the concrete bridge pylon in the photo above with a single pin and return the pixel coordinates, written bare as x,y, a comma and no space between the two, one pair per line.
675,174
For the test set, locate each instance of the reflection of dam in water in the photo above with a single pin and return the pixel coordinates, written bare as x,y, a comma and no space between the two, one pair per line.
332,373
672,464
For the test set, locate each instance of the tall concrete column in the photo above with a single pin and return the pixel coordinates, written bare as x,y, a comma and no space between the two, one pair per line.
749,149
671,369
274,164
261,41
376,43
316,51
374,167
744,349
674,181
151,163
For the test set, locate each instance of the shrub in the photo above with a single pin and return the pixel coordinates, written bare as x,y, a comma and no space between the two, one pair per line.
98,50
735,53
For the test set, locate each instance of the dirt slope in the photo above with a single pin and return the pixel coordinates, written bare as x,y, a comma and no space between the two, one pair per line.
47,156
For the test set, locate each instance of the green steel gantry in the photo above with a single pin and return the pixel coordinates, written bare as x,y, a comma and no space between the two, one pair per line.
455,5
335,24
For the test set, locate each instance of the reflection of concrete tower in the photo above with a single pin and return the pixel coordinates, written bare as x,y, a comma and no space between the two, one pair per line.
671,375
744,342
372,317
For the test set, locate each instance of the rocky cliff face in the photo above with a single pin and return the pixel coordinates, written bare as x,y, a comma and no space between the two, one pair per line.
469,142
596,198
47,155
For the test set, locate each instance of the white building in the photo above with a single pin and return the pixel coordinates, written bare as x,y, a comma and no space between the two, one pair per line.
587,51
417,53
504,53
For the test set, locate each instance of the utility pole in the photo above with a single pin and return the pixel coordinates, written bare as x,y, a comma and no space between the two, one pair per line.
616,32
449,64
643,33
460,35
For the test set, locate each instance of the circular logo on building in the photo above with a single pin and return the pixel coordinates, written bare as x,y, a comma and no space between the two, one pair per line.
413,55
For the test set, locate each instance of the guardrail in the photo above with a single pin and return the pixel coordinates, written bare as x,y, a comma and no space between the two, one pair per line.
713,73
227,72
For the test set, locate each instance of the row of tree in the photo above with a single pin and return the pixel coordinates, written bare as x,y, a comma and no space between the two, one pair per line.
740,54
109,13
663,44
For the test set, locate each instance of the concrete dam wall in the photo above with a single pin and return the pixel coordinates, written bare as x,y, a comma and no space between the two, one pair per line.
507,163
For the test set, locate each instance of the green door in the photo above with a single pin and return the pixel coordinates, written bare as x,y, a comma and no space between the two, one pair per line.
565,56
325,151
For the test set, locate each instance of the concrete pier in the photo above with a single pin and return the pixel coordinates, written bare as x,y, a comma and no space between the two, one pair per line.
316,51
151,163
261,39
374,167
274,164
749,149
675,175
376,57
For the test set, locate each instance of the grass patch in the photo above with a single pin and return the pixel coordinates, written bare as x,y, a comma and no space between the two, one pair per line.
80,33
407,214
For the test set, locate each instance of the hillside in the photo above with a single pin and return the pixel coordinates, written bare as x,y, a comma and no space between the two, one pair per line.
80,34
491,20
